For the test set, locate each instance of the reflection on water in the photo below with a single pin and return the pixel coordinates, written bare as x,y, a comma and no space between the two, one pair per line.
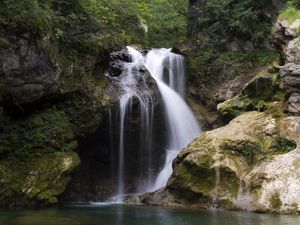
138,215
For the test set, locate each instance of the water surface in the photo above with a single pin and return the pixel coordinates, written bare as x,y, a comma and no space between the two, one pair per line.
138,215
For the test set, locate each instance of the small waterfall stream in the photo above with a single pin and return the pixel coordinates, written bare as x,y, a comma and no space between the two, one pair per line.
167,69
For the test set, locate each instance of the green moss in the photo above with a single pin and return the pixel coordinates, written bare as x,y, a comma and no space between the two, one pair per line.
197,178
210,66
36,179
281,145
289,13
40,133
225,204
248,149
4,43
275,201
229,182
259,94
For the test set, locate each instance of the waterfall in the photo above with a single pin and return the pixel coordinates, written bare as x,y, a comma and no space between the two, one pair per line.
167,69
181,122
135,89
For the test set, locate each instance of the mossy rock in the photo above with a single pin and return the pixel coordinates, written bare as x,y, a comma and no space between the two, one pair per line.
40,133
219,166
259,94
36,180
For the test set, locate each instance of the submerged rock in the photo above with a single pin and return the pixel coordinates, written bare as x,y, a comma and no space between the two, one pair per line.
244,165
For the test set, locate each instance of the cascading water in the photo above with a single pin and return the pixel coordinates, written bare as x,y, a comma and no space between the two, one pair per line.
131,80
181,122
167,69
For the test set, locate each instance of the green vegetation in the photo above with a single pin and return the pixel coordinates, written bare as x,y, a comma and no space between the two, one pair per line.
166,21
259,94
291,12
228,20
48,131
230,38
275,201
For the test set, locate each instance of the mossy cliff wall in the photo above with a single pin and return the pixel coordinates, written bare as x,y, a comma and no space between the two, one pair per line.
53,55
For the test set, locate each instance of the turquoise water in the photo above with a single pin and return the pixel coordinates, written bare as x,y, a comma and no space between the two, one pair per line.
138,215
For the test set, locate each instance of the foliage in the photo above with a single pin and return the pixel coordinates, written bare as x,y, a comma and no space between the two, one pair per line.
41,133
92,24
227,20
165,21
291,12
209,66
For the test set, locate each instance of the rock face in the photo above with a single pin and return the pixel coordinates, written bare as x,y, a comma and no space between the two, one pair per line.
258,94
290,72
142,84
26,72
293,51
46,106
244,165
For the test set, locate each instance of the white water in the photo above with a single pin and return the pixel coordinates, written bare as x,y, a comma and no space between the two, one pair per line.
167,69
130,82
181,122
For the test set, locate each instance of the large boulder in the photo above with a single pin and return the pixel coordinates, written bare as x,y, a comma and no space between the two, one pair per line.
244,165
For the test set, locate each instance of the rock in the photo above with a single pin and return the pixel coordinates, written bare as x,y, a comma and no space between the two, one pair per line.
37,157
37,180
231,88
122,55
26,72
292,52
278,4
257,94
293,29
242,166
118,72
294,104
279,35
290,75
240,45
116,68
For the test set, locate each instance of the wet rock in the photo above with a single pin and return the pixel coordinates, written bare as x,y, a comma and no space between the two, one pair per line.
122,55
26,72
118,72
116,68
